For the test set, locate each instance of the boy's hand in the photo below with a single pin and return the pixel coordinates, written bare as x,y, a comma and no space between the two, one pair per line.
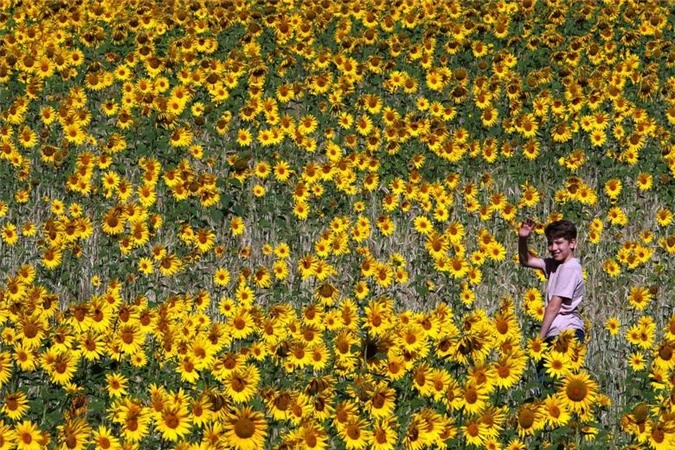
526,228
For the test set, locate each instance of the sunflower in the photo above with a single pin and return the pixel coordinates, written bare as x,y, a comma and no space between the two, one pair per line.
114,221
117,384
16,289
15,405
28,436
661,435
173,422
382,401
75,134
27,137
474,431
416,435
496,251
131,338
241,384
204,240
279,403
245,295
644,181
91,345
355,434
557,364
483,375
60,366
170,265
307,124
457,266
145,266
493,418
664,216
312,435
641,335
134,419
221,277
554,412
531,149
663,355
639,297
578,392
473,397
611,268
181,137
509,368
245,429
423,225
613,326
489,117
529,419
25,357
617,216
384,275
9,234
412,338
74,433
103,438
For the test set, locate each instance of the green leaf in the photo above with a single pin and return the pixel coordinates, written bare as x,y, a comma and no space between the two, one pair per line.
97,404
421,286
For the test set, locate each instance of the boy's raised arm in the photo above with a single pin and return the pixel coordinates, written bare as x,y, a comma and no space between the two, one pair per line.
525,258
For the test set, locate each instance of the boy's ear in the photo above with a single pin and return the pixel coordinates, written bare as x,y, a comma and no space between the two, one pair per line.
573,243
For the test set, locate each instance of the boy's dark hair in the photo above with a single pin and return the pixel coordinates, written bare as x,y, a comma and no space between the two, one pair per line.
560,229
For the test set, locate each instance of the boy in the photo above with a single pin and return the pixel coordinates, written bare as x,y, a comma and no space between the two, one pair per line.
565,282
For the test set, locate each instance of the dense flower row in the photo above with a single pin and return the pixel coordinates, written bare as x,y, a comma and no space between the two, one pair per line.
193,369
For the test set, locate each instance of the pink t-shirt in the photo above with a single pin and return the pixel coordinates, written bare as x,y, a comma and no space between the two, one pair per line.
567,282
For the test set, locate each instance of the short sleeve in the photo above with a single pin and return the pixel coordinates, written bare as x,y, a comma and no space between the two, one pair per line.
565,283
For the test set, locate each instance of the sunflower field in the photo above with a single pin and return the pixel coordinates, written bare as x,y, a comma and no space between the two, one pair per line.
292,224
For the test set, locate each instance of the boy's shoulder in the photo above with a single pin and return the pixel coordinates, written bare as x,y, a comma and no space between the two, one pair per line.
572,264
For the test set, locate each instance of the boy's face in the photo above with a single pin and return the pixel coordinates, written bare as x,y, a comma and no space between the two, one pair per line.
561,249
